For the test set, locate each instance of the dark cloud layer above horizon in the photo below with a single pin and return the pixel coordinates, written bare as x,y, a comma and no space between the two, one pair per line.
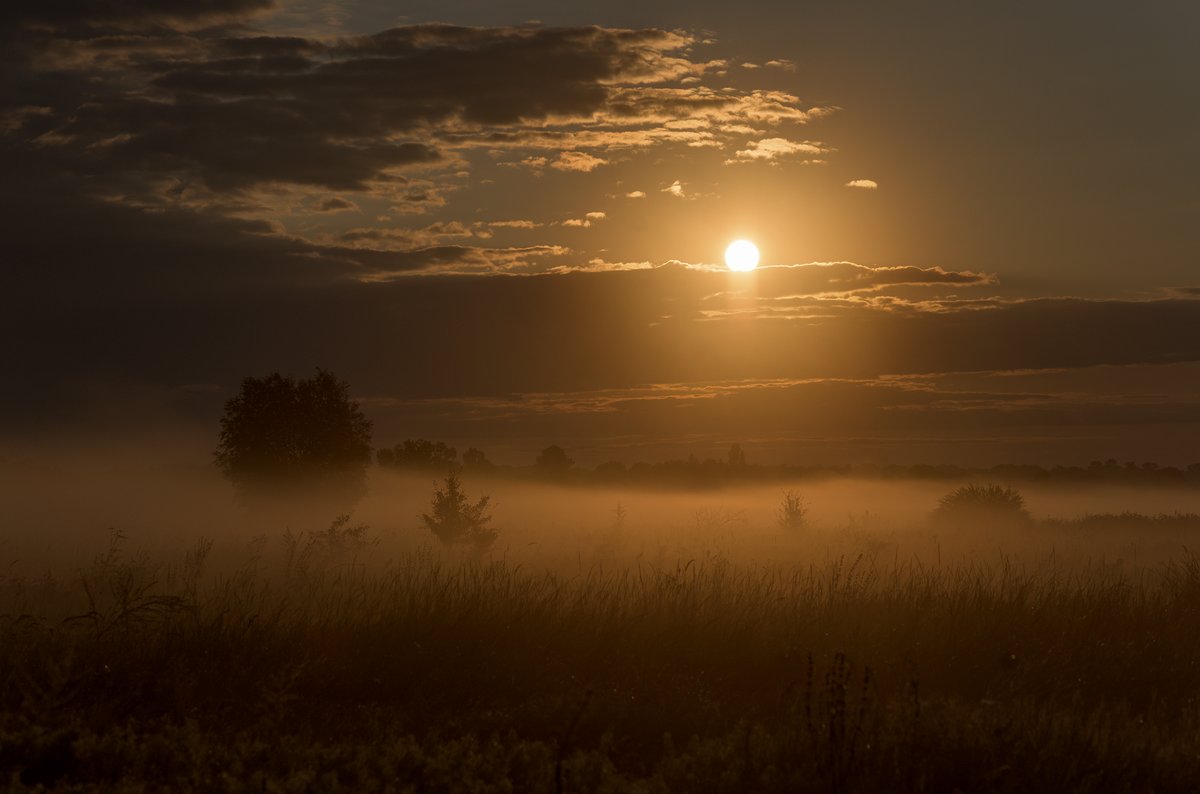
495,338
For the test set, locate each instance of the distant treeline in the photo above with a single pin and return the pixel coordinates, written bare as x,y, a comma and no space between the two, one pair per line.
555,465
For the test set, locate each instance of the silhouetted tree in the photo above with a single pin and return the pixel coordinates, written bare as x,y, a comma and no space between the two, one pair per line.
611,470
281,433
475,460
554,459
418,453
455,520
736,456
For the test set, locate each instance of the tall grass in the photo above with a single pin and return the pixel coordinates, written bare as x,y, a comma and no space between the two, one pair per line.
314,665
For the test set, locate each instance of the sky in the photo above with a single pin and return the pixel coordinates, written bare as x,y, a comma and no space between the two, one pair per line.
503,223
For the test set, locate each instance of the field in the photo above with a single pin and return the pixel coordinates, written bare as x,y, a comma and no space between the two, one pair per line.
683,642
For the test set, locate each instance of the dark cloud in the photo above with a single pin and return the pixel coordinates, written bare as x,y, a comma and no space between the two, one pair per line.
442,336
336,204
267,49
845,408
225,145
171,113
812,279
76,252
129,13
235,112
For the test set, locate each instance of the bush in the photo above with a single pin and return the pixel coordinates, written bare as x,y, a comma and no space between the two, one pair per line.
455,520
793,512
982,504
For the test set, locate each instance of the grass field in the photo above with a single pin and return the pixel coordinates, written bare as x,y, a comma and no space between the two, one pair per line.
711,652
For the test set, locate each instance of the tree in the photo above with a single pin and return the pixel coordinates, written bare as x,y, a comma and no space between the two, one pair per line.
419,453
554,459
736,456
455,520
279,433
476,460
612,470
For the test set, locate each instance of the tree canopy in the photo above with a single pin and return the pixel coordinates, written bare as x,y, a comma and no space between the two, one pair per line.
419,453
476,460
280,433
554,459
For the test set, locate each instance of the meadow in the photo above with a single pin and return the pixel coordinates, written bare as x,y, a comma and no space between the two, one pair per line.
683,641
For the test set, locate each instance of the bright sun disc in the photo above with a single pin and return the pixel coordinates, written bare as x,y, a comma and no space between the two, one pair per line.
742,256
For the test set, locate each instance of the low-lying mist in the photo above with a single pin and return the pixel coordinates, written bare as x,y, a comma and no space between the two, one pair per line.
61,516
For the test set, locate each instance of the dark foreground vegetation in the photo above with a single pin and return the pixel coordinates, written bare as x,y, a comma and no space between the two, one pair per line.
314,666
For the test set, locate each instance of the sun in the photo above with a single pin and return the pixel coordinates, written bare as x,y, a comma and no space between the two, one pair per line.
741,256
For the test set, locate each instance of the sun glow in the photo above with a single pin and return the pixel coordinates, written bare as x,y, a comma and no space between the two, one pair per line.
741,256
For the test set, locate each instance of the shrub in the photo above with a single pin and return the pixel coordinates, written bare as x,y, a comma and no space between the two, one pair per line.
987,504
793,512
455,520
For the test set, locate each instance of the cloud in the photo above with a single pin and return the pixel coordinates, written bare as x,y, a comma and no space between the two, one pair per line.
168,106
675,189
577,161
351,113
586,221
903,418
635,194
374,265
12,120
714,106
773,150
336,204
646,324
865,184
782,64
392,238
600,265
109,14
516,224
838,277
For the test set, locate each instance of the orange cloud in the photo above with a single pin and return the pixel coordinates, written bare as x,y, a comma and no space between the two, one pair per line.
772,150
577,161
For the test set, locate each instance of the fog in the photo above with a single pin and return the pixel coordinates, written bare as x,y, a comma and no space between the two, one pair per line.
60,511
